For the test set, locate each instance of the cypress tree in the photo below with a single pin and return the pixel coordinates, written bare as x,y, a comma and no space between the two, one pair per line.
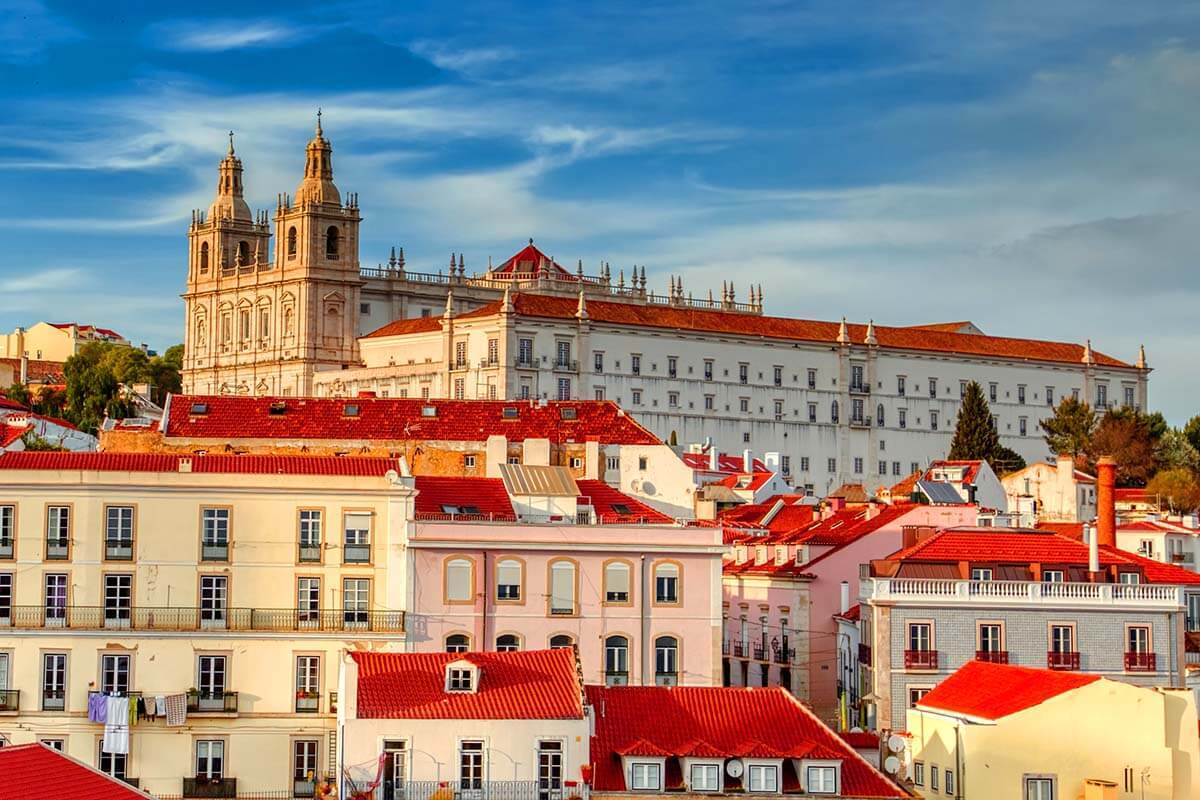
974,435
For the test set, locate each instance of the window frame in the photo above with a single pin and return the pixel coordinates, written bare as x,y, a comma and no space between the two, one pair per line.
447,563
519,599
604,567
550,609
132,541
678,586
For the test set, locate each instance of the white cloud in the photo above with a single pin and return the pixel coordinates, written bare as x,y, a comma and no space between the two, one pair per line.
42,280
216,35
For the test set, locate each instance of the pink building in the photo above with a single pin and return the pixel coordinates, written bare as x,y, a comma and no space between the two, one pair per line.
783,590
536,559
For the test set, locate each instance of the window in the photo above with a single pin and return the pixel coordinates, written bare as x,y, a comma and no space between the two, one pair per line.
550,768
308,683
879,419
920,636
58,533
561,641
949,785
708,369
820,779
1137,639
831,464
118,533
883,468
1062,639
6,597
1022,426
858,466
762,778
857,411
804,463
666,660
933,387
902,417
785,465
564,388
55,599
562,354
524,352
470,766
1053,575
508,579
916,693
598,362
331,242
896,468
812,412
900,385
666,583
211,672
778,376
705,778
304,760
460,354
991,637
636,395
673,399
743,373
204,257
308,599
8,516
54,681
460,389
214,596
709,402
114,674
1101,395
933,420
981,574
812,379
616,660
856,378
457,643
833,411
645,776
1021,395
459,679
1050,395
934,774
356,539
356,599
508,643
598,393
962,389
210,758
616,581
460,580
114,764
562,587
919,773
214,534
744,404
1039,788
118,600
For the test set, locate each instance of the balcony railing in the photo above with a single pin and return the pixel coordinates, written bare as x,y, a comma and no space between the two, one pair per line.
308,553
209,787
194,619
1140,662
760,652
214,551
994,656
525,363
476,790
565,365
920,659
10,700
6,548
1043,593
859,388
1062,660
54,699
864,653
218,702
308,702
118,549
784,655
616,677
740,649
356,554
57,549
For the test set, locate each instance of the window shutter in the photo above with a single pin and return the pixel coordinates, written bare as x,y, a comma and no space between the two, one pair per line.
562,587
508,573
617,579
458,580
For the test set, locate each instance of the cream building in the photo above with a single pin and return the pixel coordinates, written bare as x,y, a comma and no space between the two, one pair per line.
1055,492
235,581
54,341
999,731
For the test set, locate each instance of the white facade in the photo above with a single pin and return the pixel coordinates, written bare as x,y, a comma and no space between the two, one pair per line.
1052,492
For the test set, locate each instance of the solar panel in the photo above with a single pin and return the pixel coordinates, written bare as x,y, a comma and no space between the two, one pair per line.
938,492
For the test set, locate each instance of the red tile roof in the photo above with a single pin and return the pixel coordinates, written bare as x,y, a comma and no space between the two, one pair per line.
725,721
534,261
990,691
487,495
997,546
11,433
36,371
401,419
36,770
710,321
753,481
84,328
970,469
854,613
860,740
163,462
1072,530
403,326
726,462
605,499
529,684
1134,495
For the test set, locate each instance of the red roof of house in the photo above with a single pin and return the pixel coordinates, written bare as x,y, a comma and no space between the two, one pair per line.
529,684
532,260
1134,495
726,721
998,546
853,613
401,419
990,691
1072,530
904,488
486,496
860,740
106,332
753,481
37,770
970,469
402,326
729,322
353,466
605,500
726,462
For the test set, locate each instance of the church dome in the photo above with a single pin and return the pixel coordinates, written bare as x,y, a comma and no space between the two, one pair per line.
317,186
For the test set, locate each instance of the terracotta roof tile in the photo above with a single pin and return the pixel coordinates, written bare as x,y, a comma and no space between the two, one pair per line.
403,326
36,770
970,469
482,499
990,691
36,371
605,499
530,684
728,721
530,260
163,462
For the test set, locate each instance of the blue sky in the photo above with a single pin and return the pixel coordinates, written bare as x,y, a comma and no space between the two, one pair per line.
1030,166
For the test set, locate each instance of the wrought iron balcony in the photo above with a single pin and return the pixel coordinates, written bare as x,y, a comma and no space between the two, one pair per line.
202,787
308,702
994,656
308,553
615,677
565,365
57,549
356,554
118,549
162,618
920,659
529,362
740,649
1062,660
10,700
1140,662
477,790
218,702
760,652
784,655
6,548
860,388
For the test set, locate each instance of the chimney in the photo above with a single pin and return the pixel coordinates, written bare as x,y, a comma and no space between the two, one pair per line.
845,597
714,458
1093,553
1065,466
747,461
1106,508
24,356
185,465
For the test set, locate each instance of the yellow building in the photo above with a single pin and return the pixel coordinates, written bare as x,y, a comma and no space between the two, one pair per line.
999,731
232,583
54,341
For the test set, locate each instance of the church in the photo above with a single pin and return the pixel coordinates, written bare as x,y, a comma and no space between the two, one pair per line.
826,402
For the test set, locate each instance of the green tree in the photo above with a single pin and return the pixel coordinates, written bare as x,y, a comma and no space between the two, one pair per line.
34,442
1125,437
1178,488
975,434
1174,451
174,356
1192,431
1005,460
1069,431
93,388
19,393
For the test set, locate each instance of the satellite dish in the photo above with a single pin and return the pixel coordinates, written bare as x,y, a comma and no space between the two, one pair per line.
734,767
891,765
896,743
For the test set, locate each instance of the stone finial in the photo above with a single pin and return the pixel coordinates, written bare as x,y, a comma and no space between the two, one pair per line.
871,340
579,268
319,131
1141,361
401,258
453,264
581,312
392,258
1088,358
843,336
449,306
506,305
760,297
231,144
462,264
621,279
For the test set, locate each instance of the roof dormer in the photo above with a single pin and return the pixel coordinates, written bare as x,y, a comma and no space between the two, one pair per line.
462,677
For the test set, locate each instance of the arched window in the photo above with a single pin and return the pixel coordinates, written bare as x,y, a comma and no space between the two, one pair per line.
204,256
243,253
616,660
562,587
458,643
616,582
879,415
331,242
666,582
833,412
291,241
460,580
561,641
508,643
509,578
666,660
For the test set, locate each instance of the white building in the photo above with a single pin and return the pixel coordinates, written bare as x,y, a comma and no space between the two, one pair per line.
1055,492
974,481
